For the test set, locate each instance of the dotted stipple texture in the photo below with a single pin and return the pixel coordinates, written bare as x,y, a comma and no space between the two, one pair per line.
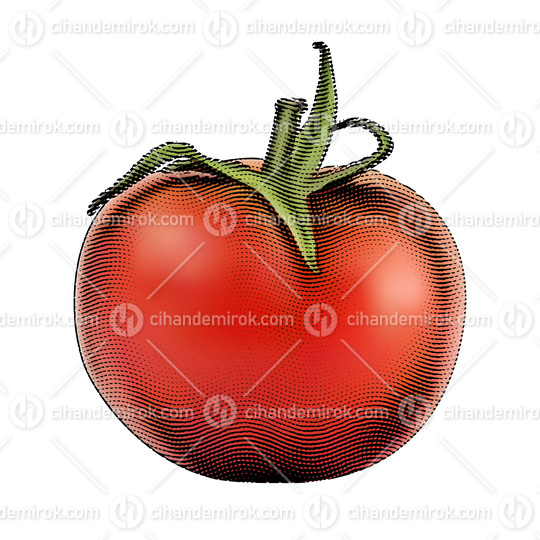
272,403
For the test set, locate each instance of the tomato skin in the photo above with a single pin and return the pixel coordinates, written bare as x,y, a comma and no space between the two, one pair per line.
207,397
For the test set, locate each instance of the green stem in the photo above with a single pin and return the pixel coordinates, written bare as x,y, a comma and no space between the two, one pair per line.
346,172
284,132
314,139
291,169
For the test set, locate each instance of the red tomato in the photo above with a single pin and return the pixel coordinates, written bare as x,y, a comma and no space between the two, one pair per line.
245,347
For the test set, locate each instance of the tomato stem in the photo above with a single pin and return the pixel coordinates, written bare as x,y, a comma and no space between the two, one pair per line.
291,169
284,132
314,138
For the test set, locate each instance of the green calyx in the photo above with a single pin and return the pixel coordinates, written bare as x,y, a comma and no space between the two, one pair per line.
291,170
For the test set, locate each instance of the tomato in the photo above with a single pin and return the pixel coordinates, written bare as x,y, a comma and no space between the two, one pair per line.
270,320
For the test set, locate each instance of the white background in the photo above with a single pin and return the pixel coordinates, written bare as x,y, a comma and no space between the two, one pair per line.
473,477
